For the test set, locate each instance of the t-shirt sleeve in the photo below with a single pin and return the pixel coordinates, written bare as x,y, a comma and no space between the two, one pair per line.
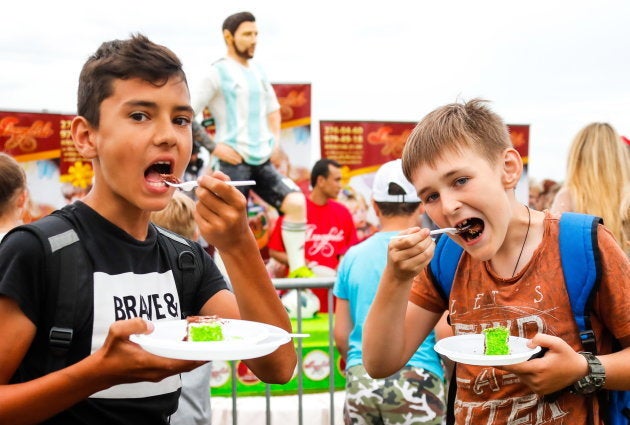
613,301
425,294
206,90
272,102
22,269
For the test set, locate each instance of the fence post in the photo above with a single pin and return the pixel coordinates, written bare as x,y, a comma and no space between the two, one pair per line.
299,284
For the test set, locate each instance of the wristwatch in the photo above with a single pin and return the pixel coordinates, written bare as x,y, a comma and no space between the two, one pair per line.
595,378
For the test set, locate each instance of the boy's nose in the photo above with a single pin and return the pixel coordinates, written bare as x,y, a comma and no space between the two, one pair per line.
166,134
450,204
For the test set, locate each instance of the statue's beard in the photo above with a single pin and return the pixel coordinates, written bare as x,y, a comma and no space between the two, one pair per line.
243,54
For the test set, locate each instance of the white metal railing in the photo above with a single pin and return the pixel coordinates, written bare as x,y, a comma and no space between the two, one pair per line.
299,284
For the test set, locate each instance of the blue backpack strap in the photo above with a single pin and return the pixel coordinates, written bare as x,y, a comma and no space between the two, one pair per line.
579,254
444,263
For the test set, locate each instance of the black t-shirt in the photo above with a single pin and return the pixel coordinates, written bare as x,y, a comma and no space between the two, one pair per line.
130,278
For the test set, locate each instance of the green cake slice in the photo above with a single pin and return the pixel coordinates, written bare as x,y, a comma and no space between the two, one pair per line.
204,328
496,341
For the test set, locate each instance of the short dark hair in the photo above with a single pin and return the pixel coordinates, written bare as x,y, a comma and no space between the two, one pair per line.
234,21
136,57
394,209
321,169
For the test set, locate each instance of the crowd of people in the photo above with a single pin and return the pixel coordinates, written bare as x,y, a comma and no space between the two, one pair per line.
458,169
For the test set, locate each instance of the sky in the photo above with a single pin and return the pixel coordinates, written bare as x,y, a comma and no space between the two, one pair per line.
556,65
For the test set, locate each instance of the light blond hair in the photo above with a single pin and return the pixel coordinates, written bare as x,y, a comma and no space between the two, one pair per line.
598,175
624,212
453,128
178,216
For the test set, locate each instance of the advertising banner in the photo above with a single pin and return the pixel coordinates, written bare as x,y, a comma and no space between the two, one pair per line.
31,136
42,143
295,136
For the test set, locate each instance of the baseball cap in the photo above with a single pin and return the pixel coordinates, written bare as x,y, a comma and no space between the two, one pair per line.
391,185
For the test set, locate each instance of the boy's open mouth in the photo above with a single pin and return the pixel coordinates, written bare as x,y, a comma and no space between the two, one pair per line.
473,228
159,171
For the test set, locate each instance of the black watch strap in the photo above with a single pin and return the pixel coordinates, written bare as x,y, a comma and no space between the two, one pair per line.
594,380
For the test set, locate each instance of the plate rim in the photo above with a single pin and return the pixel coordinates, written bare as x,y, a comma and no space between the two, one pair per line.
207,350
482,359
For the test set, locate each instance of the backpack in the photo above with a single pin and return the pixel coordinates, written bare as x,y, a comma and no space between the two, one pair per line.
67,266
581,267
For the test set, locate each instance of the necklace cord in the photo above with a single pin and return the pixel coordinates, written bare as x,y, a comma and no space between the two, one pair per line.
529,222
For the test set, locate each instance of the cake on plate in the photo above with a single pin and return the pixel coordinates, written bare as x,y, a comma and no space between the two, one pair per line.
204,328
496,341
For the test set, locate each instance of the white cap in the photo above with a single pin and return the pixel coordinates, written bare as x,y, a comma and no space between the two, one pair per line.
391,185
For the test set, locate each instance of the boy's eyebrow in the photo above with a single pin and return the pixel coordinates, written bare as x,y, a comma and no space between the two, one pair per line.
154,105
446,176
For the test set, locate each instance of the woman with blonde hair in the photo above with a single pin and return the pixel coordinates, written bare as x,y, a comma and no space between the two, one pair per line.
598,176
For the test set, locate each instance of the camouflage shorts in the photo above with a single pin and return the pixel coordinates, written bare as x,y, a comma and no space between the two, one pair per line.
410,396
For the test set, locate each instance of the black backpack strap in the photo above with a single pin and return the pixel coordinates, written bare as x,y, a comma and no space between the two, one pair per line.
452,393
65,262
185,265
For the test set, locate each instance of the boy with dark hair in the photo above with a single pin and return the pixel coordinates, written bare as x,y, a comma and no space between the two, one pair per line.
134,123
465,169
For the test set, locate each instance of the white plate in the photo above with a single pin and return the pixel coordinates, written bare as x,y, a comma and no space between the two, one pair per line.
243,339
468,349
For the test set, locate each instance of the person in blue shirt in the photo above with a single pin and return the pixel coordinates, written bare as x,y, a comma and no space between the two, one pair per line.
416,393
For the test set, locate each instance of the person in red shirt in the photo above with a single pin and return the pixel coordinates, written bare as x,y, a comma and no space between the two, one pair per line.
330,228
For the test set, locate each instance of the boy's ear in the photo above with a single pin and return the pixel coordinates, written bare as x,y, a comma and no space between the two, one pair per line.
512,168
83,137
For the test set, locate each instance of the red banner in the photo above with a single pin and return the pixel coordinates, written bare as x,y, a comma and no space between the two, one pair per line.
32,136
364,145
295,103
520,139
361,146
